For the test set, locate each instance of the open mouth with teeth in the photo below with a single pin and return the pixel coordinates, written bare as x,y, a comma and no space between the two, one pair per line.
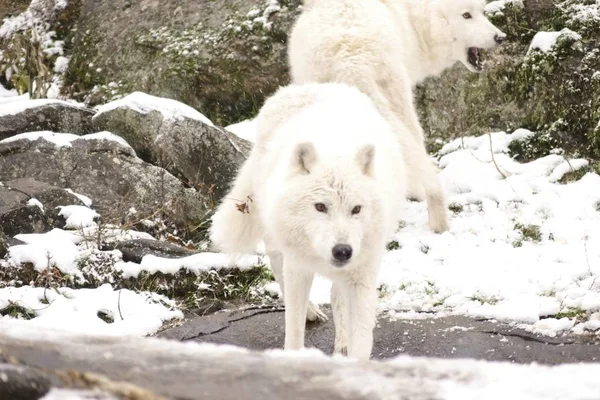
474,58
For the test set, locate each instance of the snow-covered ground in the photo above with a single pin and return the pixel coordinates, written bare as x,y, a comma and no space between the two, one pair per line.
522,248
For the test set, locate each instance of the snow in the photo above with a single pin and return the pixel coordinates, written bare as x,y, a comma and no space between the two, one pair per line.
545,41
55,248
77,394
245,130
78,216
61,64
144,103
7,94
17,107
58,139
195,263
84,199
495,7
35,203
485,266
76,310
66,139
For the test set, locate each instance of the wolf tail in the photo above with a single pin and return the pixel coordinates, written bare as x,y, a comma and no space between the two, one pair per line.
236,226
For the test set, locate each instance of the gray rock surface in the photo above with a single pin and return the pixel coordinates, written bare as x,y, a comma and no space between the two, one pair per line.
213,56
203,156
451,337
149,368
17,216
108,172
45,115
135,250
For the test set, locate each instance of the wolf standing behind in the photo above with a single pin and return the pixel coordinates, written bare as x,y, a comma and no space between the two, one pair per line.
384,48
325,177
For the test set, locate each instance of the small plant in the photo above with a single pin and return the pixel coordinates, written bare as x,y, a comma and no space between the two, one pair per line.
577,314
455,207
15,310
492,300
393,245
106,316
529,232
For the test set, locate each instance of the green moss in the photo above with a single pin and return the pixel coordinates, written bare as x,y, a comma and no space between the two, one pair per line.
535,146
529,232
455,207
16,310
106,316
393,245
577,314
576,175
492,300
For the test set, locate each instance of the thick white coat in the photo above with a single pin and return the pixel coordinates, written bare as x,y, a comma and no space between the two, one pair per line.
319,143
384,48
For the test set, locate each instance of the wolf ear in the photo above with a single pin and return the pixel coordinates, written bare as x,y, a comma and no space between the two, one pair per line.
365,157
305,157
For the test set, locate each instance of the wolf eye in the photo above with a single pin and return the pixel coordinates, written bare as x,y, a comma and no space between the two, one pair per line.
467,15
356,210
321,207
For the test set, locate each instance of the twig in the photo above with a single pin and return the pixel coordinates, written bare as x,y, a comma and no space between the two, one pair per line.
493,158
119,304
587,259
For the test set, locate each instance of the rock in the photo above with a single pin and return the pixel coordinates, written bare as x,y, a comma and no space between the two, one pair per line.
12,7
44,115
135,250
219,57
16,216
103,167
36,194
449,337
146,368
23,383
178,138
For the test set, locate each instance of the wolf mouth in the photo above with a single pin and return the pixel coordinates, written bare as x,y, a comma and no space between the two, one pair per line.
474,58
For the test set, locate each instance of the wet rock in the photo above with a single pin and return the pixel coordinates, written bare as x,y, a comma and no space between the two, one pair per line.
178,138
104,168
135,250
44,115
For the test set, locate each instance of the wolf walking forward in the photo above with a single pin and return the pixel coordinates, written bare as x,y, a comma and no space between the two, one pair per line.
326,177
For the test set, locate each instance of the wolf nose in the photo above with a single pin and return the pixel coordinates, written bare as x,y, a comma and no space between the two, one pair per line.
342,252
500,37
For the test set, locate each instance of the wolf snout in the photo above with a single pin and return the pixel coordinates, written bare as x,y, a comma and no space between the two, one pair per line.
500,37
341,252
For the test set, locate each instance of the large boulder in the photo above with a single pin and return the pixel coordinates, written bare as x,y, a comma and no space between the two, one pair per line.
149,368
31,206
104,167
178,138
219,57
44,115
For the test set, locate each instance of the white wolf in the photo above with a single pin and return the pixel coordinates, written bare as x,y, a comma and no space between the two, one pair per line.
384,48
322,187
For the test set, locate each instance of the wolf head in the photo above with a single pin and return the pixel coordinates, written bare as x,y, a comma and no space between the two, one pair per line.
327,211
469,30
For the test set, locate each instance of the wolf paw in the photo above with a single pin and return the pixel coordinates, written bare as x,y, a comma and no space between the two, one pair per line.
314,313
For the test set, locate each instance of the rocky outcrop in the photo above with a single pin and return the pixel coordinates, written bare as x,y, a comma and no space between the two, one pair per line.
178,138
103,167
152,368
219,57
44,115
30,206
